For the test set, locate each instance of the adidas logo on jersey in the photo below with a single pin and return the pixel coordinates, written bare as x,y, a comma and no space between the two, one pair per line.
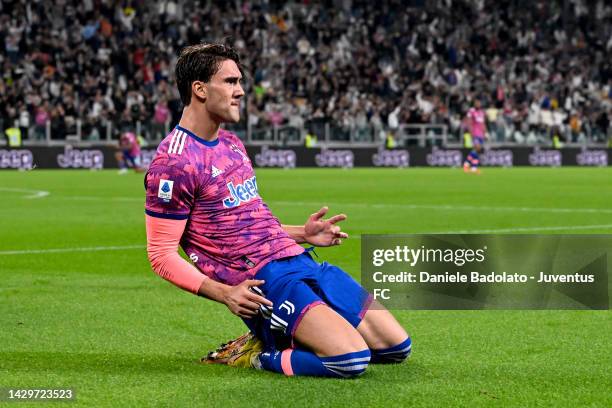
216,171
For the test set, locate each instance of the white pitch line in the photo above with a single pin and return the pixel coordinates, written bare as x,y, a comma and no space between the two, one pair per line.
401,206
33,193
96,198
451,207
354,236
79,249
498,230
528,229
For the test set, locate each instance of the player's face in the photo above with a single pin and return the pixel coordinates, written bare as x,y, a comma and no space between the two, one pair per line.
224,93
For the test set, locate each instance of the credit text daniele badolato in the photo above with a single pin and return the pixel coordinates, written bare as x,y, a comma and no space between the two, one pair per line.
411,256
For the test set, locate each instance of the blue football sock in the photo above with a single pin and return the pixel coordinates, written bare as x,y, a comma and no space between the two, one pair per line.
395,354
302,362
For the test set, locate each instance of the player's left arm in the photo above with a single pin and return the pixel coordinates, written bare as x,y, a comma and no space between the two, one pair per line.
318,231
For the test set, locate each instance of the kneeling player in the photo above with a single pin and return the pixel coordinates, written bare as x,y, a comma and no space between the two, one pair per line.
129,154
472,161
310,318
314,306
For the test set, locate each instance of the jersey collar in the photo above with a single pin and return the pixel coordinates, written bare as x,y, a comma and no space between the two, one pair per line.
210,143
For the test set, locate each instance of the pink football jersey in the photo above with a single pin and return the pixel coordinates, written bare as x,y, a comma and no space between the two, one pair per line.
477,122
231,232
129,138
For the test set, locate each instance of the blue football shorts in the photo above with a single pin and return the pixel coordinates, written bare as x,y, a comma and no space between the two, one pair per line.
295,285
133,161
478,140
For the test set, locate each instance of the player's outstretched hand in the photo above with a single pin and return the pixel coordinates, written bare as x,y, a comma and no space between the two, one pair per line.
241,301
320,232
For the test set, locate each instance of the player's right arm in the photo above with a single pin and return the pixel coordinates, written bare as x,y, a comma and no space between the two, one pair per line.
172,186
163,237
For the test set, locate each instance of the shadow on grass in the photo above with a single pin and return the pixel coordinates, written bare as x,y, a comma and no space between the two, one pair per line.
128,363
110,362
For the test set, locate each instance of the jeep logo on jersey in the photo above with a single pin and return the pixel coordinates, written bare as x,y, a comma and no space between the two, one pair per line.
241,193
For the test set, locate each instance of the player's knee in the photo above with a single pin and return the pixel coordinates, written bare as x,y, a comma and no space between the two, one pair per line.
356,344
346,342
395,354
348,365
350,345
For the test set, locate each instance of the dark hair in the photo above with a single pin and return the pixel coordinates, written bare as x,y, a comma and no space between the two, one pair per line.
199,63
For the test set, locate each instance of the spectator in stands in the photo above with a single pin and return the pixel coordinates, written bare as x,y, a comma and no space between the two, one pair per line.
427,59
161,118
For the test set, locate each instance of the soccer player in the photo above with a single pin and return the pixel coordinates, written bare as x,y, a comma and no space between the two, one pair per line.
309,318
129,154
477,127
472,161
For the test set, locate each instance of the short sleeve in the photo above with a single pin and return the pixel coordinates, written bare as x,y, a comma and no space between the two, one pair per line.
171,188
235,141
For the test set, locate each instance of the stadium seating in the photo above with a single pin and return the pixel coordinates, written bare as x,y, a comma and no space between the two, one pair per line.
541,68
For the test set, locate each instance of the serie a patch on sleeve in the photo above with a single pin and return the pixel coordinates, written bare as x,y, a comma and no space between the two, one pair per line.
165,189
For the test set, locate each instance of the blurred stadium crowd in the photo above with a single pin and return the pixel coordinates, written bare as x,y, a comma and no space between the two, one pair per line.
540,67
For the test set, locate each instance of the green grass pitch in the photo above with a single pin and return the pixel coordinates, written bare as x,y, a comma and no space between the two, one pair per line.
89,313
